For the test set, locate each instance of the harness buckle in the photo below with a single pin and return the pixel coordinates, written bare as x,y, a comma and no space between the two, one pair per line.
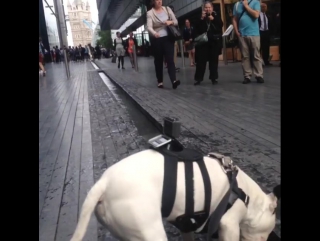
227,165
226,162
245,201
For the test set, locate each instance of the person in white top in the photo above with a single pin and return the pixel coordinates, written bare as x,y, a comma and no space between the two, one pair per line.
119,47
157,22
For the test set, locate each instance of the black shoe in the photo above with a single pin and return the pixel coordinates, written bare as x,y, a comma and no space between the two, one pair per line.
260,80
214,81
175,84
123,67
246,81
197,82
160,85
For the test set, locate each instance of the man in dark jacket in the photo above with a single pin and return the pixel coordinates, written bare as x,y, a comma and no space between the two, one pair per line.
264,34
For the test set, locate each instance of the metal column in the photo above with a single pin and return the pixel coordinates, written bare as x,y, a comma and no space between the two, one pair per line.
62,31
224,50
135,58
182,53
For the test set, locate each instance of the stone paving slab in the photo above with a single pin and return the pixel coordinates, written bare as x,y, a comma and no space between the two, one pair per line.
65,151
242,121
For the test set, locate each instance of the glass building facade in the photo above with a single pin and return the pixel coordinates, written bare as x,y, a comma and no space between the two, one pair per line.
51,24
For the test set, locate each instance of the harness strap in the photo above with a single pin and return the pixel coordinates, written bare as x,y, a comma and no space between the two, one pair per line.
188,170
220,210
207,186
233,193
170,185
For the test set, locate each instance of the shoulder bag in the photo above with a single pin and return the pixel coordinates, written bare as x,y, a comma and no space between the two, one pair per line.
203,38
173,31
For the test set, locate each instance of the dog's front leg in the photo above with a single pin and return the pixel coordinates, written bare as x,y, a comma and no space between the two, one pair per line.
229,232
187,236
229,225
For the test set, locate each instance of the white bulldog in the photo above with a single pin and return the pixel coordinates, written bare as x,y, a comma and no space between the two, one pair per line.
127,201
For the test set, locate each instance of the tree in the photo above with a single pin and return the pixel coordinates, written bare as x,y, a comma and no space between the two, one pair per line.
105,39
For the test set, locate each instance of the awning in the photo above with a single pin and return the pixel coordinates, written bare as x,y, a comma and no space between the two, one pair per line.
114,13
136,24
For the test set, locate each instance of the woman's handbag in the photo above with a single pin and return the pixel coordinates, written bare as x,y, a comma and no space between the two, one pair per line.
114,59
173,31
203,38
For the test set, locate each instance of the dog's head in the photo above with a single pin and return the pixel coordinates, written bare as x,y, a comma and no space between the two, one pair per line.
264,220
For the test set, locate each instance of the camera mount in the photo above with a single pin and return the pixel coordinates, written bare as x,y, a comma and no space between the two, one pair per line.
171,131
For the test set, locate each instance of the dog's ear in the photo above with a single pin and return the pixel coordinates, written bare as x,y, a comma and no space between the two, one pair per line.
272,206
277,191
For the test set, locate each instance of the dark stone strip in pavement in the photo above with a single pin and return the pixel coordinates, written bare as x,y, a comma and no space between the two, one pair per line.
114,136
86,175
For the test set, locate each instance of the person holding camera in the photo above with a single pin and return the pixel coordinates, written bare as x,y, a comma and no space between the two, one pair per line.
209,51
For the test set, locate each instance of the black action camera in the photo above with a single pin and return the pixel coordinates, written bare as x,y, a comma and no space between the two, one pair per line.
171,127
208,15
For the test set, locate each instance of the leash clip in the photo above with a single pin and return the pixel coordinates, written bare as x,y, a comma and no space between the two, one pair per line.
227,165
226,162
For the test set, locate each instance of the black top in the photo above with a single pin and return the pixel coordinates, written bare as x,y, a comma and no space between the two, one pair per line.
214,29
188,33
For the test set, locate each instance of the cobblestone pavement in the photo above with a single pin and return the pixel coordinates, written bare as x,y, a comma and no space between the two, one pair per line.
242,121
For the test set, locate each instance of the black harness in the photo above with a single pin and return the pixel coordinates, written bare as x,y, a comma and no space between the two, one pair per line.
191,221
